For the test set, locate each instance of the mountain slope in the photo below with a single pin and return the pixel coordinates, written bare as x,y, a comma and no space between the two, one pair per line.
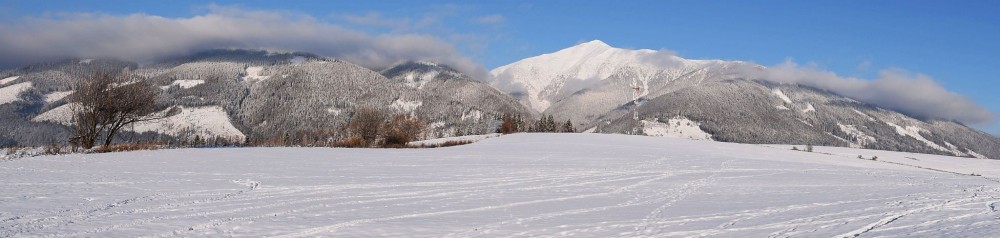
266,96
600,86
444,80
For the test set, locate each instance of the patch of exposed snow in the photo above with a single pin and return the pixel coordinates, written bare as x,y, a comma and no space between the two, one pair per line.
977,155
184,83
914,132
438,124
870,118
86,61
406,106
809,108
297,60
9,94
55,96
8,80
254,73
782,107
860,139
334,110
591,130
428,63
60,115
805,122
781,95
677,127
205,122
475,115
416,80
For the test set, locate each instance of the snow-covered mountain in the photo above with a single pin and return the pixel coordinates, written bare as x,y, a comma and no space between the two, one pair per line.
444,80
260,95
600,87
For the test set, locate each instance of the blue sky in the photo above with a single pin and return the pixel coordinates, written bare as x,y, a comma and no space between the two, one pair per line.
955,42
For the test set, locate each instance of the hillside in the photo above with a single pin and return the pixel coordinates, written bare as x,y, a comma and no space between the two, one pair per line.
246,95
558,185
599,87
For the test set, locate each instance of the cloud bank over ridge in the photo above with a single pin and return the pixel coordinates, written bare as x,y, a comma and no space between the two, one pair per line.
914,94
142,37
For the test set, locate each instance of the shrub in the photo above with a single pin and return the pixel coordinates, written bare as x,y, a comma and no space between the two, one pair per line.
352,142
127,147
443,144
53,149
403,129
366,123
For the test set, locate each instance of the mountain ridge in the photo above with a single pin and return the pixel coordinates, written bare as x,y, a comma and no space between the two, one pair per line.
730,100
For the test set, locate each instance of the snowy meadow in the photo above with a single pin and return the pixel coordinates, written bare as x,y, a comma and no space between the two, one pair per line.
518,185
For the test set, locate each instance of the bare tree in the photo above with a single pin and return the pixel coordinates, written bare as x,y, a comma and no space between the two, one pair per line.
366,123
403,129
106,102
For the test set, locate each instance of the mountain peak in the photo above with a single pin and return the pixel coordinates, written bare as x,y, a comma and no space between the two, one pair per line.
594,45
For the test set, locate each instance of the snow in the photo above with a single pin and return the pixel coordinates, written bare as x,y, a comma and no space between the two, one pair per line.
781,95
475,115
543,77
860,138
9,94
334,111
437,141
86,61
8,80
56,96
809,108
977,155
782,107
405,105
62,115
914,132
254,73
205,122
297,60
869,118
418,80
184,83
678,127
518,185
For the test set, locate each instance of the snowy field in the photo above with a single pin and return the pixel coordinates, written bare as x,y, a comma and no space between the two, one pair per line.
522,185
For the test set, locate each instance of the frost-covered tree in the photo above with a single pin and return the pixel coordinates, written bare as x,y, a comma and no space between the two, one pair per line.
106,102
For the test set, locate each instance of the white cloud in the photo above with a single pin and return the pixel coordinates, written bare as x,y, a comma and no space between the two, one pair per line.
490,19
914,94
144,37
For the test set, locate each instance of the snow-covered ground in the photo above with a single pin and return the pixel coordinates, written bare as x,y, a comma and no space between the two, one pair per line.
254,73
56,96
677,127
469,138
201,121
186,83
9,94
520,185
8,79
